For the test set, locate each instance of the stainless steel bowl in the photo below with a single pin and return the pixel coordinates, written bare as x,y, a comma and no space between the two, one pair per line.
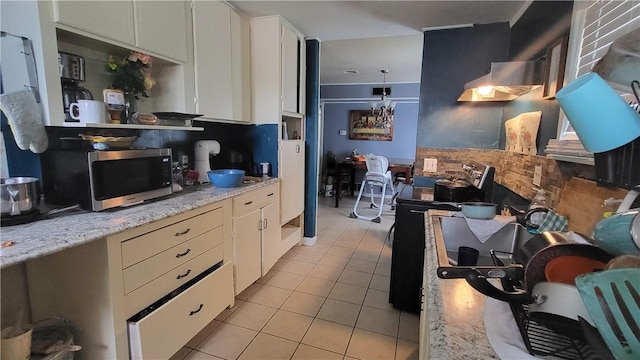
19,195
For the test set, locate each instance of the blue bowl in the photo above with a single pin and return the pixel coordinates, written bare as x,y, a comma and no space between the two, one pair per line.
226,178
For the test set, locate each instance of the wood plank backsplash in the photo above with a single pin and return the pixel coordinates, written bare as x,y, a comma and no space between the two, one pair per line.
568,192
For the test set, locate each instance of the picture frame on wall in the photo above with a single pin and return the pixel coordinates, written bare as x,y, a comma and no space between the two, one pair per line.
555,68
363,125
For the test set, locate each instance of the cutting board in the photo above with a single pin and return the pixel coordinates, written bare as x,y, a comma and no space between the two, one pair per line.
581,202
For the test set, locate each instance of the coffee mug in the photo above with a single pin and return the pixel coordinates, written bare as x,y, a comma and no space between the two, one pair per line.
619,234
90,111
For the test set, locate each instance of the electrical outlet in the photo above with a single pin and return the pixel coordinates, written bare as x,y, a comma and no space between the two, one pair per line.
537,175
430,165
185,160
343,132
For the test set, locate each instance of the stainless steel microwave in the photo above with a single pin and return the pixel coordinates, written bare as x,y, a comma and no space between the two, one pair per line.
99,180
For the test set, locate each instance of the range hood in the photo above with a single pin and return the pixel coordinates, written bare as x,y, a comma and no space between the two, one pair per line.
505,82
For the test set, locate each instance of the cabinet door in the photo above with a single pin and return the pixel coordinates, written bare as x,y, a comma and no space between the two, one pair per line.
290,70
270,236
292,184
212,57
246,249
109,19
161,27
240,67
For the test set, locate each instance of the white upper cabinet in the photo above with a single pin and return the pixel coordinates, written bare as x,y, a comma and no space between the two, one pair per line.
240,67
277,69
108,19
157,27
221,56
161,27
290,70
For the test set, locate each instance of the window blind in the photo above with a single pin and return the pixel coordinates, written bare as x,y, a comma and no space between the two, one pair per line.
604,22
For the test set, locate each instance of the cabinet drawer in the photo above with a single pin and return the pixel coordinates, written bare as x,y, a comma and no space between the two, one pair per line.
157,288
255,199
149,269
164,331
144,246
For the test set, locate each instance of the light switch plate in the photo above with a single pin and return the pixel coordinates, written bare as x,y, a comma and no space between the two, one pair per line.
537,175
343,132
430,165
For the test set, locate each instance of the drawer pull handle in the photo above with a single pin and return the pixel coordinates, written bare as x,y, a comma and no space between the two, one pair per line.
248,203
183,254
185,275
196,311
417,211
183,232
271,194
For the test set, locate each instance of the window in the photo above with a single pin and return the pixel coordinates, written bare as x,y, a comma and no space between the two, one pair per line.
594,26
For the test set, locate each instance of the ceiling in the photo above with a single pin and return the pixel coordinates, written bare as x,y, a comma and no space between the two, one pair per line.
369,36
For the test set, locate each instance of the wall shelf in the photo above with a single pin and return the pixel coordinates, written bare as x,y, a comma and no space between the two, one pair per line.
135,126
573,159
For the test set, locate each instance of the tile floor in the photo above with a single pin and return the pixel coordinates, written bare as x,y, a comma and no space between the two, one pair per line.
329,301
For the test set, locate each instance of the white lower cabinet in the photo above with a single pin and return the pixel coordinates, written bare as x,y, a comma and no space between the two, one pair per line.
142,293
256,235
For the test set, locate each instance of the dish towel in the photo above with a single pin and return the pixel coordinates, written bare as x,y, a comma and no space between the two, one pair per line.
484,229
25,120
553,222
502,331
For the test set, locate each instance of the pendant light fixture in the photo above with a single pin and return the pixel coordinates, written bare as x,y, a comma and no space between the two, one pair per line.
384,107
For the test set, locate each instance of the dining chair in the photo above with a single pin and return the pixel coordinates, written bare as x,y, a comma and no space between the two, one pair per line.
331,170
377,175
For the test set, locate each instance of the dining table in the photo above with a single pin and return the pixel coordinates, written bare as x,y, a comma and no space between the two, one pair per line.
396,166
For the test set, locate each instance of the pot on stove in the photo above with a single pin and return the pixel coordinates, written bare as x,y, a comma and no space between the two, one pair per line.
456,190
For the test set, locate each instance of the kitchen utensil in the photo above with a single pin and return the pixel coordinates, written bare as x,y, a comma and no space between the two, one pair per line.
624,261
19,195
467,256
594,339
16,346
265,166
109,142
451,190
564,269
89,111
479,210
226,178
612,299
557,306
628,200
533,271
535,267
619,233
534,217
203,149
175,118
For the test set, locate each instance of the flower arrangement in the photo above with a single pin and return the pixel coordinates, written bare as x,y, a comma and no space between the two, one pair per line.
131,74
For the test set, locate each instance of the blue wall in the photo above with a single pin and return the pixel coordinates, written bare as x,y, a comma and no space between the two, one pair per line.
452,58
339,100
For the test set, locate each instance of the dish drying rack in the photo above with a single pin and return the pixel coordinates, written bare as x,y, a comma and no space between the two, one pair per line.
540,340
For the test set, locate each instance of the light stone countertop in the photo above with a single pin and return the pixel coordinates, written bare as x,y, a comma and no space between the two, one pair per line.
455,310
44,237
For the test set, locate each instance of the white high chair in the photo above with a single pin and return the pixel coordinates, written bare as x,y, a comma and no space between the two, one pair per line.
377,175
